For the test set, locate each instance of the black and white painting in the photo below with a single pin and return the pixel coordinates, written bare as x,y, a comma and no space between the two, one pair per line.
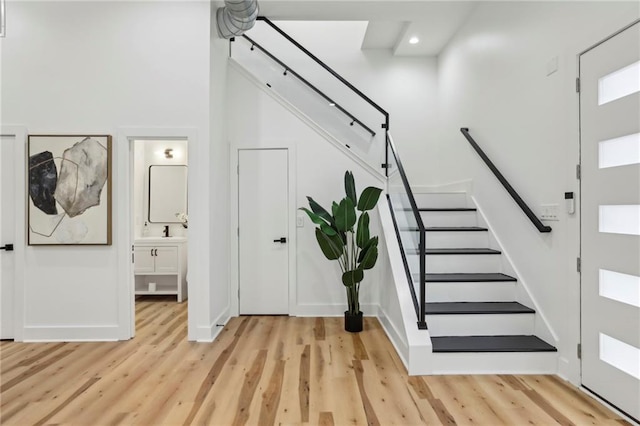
69,190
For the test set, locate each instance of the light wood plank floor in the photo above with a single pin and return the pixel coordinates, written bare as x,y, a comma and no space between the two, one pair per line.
264,370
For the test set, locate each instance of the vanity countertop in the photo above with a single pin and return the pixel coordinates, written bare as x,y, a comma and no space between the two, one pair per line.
160,240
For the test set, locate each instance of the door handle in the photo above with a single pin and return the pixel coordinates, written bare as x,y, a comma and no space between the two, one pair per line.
282,240
155,253
8,247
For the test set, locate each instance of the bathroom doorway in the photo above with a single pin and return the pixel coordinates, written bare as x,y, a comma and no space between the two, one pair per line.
160,229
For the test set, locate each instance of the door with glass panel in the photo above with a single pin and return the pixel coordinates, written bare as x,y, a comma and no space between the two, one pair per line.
610,211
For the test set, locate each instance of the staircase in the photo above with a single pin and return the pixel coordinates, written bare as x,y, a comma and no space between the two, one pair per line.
475,319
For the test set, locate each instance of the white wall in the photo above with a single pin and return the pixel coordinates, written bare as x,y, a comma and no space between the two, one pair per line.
95,67
219,181
492,79
255,119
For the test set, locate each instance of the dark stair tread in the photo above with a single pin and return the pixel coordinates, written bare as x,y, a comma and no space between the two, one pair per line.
441,209
462,251
446,228
455,229
516,343
447,209
452,308
444,251
467,277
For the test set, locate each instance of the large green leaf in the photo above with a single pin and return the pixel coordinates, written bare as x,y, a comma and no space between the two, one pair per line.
369,198
373,242
369,259
319,210
328,230
350,187
331,246
351,278
314,217
334,208
345,215
362,233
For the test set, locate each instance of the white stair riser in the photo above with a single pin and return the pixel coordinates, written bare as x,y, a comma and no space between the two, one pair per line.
457,239
480,324
410,241
454,218
441,200
405,218
471,292
458,263
494,363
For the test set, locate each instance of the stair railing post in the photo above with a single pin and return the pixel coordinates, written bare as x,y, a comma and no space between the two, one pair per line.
422,323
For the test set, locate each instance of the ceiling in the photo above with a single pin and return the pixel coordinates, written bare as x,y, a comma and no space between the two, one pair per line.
391,23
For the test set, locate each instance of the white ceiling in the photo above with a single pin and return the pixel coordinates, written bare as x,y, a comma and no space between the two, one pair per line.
390,22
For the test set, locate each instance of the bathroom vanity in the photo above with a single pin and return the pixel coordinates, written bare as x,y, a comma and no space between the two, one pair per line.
160,266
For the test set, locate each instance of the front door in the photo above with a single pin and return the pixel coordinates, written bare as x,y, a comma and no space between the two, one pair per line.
610,228
263,176
7,234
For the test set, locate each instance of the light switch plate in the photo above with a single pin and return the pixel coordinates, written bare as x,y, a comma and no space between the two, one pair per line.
300,221
550,212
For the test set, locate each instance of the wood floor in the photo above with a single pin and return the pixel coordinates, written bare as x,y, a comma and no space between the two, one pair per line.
264,370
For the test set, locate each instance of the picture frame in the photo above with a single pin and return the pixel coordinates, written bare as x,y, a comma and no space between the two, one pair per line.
69,190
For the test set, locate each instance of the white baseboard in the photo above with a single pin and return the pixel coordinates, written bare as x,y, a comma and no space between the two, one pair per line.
333,310
402,349
106,333
207,334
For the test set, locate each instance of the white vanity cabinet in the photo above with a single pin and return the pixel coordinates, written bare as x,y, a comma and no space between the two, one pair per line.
160,266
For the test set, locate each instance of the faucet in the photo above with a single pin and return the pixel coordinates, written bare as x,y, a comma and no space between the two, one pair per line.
166,230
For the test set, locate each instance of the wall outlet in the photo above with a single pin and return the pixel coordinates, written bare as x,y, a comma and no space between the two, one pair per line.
300,221
550,212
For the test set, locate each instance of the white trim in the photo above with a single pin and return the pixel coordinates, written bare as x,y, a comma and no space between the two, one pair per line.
198,271
20,134
334,310
209,333
234,260
72,333
394,336
418,358
378,174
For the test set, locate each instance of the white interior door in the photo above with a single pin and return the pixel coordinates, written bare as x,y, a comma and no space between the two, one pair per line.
610,209
7,234
263,218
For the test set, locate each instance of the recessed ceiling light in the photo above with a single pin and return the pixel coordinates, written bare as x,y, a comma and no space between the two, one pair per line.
414,40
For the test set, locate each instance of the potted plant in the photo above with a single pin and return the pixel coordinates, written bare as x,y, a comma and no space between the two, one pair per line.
343,235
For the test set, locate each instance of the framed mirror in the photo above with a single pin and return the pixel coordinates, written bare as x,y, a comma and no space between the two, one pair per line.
167,193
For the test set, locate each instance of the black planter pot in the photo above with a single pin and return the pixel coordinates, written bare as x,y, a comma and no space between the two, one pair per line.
353,322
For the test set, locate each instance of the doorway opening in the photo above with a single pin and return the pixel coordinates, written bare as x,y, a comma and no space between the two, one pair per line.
159,189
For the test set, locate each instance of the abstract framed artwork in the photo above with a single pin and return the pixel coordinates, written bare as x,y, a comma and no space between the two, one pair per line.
69,190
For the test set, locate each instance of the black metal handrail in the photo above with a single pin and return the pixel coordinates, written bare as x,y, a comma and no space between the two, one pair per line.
288,69
328,68
525,208
422,324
